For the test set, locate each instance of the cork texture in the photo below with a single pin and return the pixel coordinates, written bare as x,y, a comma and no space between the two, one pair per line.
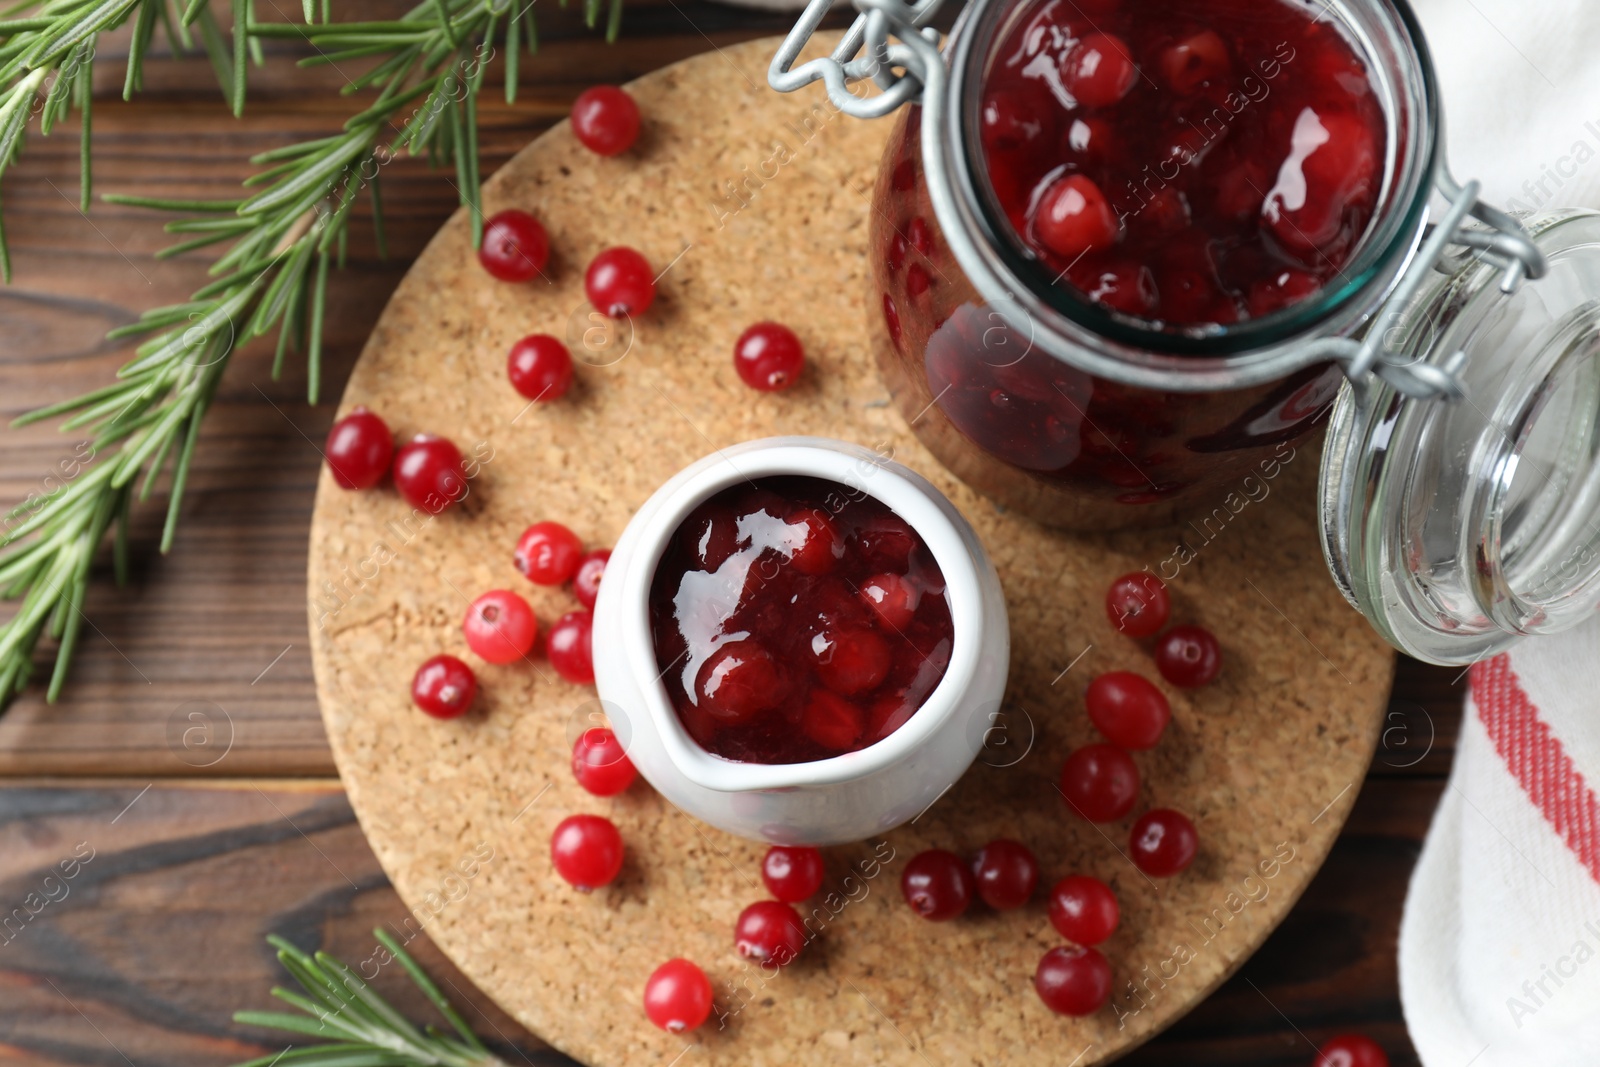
754,204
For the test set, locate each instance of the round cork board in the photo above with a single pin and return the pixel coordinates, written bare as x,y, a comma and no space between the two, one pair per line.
1267,761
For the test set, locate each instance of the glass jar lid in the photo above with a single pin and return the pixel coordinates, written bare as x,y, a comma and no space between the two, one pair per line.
1460,526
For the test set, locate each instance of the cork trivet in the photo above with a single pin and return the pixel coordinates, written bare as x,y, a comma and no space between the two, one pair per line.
1267,760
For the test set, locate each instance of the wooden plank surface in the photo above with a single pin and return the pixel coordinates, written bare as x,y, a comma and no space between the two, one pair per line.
158,940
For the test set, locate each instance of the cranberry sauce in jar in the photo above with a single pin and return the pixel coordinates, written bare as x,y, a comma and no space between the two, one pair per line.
1188,161
795,619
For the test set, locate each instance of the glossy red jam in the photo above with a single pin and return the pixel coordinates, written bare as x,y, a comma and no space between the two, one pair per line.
1189,161
795,619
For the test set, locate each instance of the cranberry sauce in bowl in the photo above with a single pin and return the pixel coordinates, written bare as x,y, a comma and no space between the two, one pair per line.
795,619
1186,162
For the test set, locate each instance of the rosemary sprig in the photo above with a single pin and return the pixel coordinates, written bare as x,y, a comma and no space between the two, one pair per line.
366,1031
282,237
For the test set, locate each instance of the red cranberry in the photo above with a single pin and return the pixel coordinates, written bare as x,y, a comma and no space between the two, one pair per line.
1083,909
1074,218
1126,287
738,682
1099,70
1351,1050
540,367
586,583
815,546
1100,782
1073,981
1006,874
605,119
792,872
570,647
1138,605
444,687
587,851
548,553
599,764
1188,656
1285,289
1192,63
1127,709
1013,119
429,473
359,449
832,721
1163,842
850,661
892,598
937,885
1337,156
515,247
500,627
768,357
620,283
769,931
677,997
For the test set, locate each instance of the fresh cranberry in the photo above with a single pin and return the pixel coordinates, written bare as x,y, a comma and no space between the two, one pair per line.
1138,605
548,553
605,119
429,473
599,763
792,872
677,997
1099,70
540,367
1100,782
1074,218
620,283
832,721
515,247
586,582
1195,62
738,682
892,598
500,626
1163,842
444,687
586,851
1351,1050
1188,656
570,647
1127,709
1006,874
1083,909
1073,981
769,931
768,357
937,885
359,449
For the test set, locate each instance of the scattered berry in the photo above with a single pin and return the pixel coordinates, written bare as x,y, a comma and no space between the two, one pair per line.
444,687
587,851
548,553
1127,709
429,473
792,872
1351,1050
1073,980
500,626
570,647
1188,656
769,931
1100,782
540,367
586,582
359,449
937,885
1006,874
605,119
1138,605
599,763
620,283
768,357
1163,842
515,247
1083,909
677,997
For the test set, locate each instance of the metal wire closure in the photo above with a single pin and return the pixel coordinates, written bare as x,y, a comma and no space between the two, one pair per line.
911,68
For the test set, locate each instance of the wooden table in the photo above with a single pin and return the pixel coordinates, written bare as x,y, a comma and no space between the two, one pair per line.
200,849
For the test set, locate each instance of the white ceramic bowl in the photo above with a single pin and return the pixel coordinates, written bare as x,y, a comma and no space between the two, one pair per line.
848,797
